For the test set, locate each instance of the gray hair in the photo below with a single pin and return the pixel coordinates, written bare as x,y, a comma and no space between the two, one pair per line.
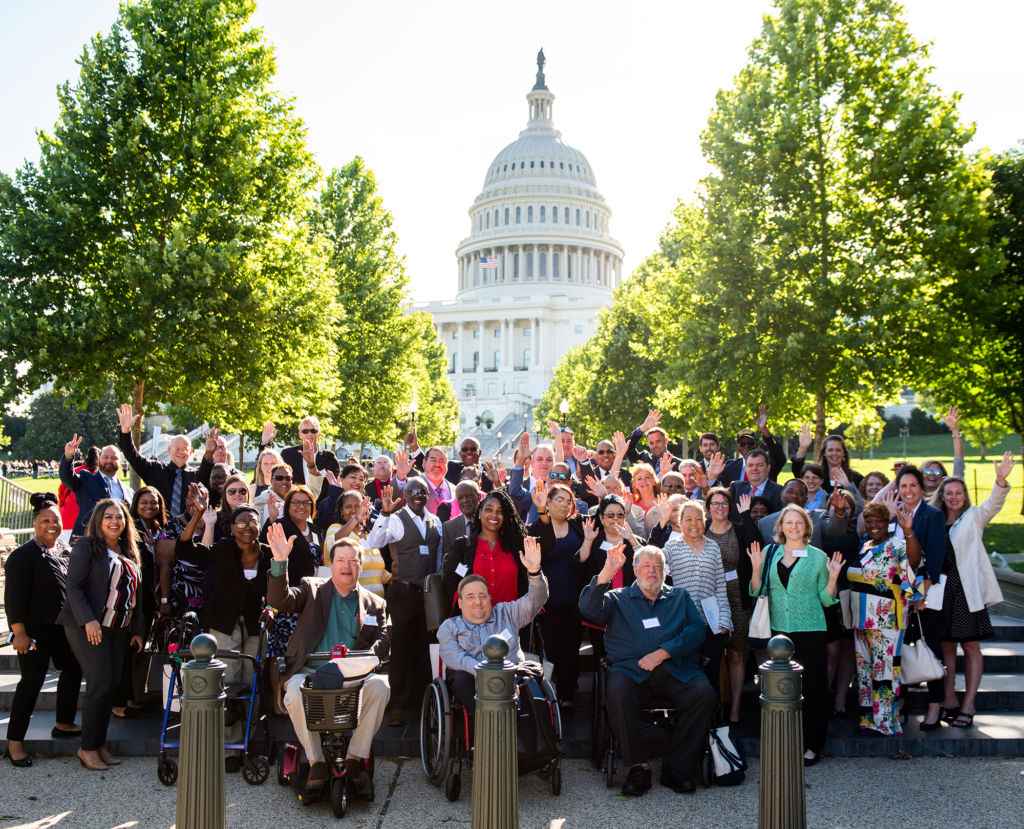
648,550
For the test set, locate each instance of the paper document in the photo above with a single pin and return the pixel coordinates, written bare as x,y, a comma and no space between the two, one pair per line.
710,605
933,601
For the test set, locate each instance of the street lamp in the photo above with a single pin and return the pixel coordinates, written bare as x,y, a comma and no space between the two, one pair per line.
871,443
904,431
563,407
413,408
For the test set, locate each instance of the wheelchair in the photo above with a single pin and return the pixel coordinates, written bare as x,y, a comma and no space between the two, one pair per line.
658,720
445,738
332,714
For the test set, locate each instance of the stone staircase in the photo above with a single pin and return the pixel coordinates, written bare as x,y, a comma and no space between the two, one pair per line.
998,726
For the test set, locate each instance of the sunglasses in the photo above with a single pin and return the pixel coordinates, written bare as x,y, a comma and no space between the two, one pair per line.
605,452
415,491
558,476
236,490
282,477
309,431
469,449
932,471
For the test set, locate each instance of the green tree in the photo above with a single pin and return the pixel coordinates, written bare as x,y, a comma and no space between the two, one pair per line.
840,202
54,418
159,243
385,358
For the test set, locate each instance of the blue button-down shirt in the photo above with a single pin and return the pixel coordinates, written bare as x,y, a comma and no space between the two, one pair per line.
679,627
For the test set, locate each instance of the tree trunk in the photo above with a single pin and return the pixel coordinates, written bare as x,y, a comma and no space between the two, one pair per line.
983,449
138,397
819,421
241,452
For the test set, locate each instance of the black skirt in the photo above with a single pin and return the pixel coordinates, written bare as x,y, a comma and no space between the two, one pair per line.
959,624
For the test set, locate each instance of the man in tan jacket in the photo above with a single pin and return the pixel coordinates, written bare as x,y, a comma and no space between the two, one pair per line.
331,612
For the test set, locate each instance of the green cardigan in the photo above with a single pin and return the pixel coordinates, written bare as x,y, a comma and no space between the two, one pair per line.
797,607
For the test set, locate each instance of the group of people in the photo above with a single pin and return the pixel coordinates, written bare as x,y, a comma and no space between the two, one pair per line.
659,560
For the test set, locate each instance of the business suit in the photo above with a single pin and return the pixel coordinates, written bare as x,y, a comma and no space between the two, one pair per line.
634,455
159,474
825,525
87,587
734,467
772,491
312,600
452,529
33,596
89,488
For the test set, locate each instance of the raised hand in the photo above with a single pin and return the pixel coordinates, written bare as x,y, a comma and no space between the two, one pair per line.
403,465
364,511
716,466
664,465
530,556
627,499
72,446
890,501
209,516
613,563
125,418
386,504
905,518
332,479
524,451
806,439
653,419
626,532
589,529
280,547
211,441
839,503
838,476
580,454
273,507
269,433
595,486
835,565
412,441
756,555
539,496
661,502
619,440
1004,468
554,430
308,451
492,472
762,417
952,419
700,478
743,504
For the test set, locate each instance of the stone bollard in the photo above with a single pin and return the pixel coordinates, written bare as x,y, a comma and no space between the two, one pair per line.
495,765
781,803
201,803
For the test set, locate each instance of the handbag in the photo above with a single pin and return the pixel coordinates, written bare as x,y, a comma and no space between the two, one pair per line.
760,630
917,662
728,759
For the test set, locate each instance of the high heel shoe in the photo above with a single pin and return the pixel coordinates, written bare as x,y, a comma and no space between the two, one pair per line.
930,726
89,764
949,714
24,763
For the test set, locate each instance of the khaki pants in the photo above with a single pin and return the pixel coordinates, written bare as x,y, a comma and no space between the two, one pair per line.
237,670
373,699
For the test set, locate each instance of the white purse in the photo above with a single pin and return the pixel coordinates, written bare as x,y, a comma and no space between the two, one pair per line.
917,662
761,619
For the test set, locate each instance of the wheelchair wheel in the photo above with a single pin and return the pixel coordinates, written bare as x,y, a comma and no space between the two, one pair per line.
609,768
452,787
339,797
167,771
556,781
435,732
255,769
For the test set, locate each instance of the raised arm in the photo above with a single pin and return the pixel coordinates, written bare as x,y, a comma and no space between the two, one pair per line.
126,420
952,421
65,470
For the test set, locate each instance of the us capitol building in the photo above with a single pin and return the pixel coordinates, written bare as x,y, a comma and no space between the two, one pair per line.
538,265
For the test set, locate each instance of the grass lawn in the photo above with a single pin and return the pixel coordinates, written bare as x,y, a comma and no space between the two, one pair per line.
48,484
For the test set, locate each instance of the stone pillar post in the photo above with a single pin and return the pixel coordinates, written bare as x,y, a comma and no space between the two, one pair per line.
781,803
495,767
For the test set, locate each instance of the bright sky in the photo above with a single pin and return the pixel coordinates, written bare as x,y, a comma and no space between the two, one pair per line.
428,93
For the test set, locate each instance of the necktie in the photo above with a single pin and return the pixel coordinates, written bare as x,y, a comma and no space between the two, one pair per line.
176,508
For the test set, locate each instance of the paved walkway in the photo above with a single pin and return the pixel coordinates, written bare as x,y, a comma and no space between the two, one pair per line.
844,793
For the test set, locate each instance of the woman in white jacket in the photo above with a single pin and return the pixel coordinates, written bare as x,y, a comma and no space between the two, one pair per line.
971,585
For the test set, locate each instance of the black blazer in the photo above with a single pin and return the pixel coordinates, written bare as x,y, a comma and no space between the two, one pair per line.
595,561
158,474
301,561
233,595
33,593
772,491
88,585
324,459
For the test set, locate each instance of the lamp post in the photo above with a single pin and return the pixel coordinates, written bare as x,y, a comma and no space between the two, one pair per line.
563,407
413,408
498,451
871,443
904,431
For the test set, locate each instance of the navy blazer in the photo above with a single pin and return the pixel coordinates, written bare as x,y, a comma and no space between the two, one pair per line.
89,488
930,530
772,491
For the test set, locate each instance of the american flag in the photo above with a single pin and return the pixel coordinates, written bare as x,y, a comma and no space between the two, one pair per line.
488,263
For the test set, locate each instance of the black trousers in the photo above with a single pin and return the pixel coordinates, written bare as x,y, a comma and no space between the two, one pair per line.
464,685
695,700
409,672
562,632
101,665
811,651
931,630
51,643
712,651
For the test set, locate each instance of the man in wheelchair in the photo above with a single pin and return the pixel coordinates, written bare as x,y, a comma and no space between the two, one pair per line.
652,640
461,638
331,612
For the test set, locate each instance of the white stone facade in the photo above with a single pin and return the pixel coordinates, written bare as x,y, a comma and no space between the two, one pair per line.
541,217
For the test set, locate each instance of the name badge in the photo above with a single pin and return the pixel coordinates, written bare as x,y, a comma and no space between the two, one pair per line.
606,545
370,620
799,553
892,526
424,550
866,559
461,570
731,575
651,623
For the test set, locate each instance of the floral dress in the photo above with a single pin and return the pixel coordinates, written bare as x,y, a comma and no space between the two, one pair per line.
879,591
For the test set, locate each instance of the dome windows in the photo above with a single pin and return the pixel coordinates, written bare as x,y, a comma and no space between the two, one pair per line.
554,215
519,215
506,215
529,214
541,165
543,217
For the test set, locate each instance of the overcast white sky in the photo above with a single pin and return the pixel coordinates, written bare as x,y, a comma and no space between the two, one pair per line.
428,93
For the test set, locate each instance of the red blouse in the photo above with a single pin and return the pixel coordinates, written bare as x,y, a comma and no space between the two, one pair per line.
499,570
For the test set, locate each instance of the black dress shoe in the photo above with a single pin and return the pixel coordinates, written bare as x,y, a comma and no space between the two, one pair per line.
679,783
24,763
61,734
638,781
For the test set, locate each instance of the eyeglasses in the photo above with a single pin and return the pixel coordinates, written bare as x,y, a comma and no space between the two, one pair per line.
236,490
469,449
247,522
305,503
282,477
719,504
558,476
615,516
309,431
932,471
558,500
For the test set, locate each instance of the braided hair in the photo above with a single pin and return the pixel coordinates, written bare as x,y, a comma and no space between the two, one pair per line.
513,530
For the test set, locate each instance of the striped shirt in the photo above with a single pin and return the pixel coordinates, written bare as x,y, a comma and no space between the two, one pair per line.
703,576
124,586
